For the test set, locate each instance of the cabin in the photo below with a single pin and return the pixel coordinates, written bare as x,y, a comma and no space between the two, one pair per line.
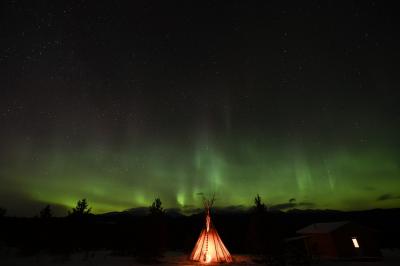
338,240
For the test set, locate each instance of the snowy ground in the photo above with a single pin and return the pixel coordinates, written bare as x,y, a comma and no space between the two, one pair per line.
104,258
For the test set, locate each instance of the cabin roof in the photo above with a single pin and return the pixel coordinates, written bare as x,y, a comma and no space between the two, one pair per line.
321,228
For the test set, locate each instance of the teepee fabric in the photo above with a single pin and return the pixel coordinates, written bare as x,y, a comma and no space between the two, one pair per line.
209,247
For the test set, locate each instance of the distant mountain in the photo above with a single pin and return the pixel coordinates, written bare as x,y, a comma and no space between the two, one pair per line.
139,211
231,210
242,210
178,212
133,212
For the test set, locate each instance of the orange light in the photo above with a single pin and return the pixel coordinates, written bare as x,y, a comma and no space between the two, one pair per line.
208,223
208,258
209,247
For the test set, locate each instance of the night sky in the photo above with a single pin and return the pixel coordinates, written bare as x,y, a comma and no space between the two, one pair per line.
122,102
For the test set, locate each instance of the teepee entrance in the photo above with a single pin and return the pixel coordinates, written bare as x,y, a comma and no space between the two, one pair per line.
209,247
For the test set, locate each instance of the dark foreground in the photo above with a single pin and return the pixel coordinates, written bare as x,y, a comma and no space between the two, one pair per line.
126,239
105,258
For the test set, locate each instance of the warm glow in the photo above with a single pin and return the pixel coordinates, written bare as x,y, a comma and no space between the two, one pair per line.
209,247
208,258
355,242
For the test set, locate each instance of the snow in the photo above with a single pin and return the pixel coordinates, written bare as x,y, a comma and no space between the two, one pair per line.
8,257
102,258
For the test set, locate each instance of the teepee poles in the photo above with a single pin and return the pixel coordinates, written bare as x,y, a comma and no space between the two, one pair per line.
209,246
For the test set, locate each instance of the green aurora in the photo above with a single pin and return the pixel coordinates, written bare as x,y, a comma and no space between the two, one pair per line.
115,179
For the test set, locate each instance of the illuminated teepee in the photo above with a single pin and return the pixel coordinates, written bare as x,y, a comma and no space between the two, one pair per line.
209,247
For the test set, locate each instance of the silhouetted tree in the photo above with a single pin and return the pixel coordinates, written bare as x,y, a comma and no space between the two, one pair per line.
264,236
156,208
81,209
46,213
259,206
2,212
82,224
153,239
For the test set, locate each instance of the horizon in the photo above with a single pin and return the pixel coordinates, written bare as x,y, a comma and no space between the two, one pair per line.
59,211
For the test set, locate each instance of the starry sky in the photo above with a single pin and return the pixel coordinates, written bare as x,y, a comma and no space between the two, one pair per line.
120,102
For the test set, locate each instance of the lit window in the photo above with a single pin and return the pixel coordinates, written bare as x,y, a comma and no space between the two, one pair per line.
355,242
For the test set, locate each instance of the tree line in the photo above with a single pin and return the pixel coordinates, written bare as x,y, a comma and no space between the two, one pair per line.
82,209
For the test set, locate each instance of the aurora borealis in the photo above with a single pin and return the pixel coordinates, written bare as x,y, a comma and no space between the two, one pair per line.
120,178
122,103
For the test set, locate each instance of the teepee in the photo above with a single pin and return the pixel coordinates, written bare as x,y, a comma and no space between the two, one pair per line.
209,247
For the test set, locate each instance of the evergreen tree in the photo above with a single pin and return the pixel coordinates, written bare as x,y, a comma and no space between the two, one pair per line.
156,208
153,242
81,209
46,213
